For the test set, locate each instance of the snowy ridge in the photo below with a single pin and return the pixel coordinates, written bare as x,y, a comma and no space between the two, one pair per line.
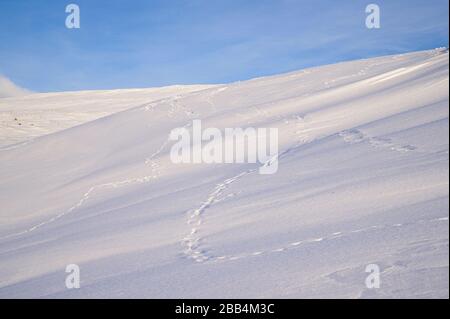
363,178
25,117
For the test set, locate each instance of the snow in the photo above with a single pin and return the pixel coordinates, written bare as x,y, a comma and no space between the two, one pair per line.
362,179
9,89
25,117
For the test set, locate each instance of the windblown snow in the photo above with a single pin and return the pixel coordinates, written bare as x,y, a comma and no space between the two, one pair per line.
9,89
86,179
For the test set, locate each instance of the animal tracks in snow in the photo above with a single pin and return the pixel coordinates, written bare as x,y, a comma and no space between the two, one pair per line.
202,256
355,136
192,242
155,173
87,195
175,107
195,219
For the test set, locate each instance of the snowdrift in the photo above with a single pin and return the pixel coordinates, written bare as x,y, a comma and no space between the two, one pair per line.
362,179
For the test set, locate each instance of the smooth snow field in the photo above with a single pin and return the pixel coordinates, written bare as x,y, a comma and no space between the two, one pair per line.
86,178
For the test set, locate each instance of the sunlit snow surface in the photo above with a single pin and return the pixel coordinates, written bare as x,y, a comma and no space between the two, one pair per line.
362,179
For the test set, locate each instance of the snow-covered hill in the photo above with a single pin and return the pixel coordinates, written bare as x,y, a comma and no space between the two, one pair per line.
25,117
362,179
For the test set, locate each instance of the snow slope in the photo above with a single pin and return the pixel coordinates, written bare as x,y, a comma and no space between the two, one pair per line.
25,117
362,179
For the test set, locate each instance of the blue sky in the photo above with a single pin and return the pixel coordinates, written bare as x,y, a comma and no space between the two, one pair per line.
144,43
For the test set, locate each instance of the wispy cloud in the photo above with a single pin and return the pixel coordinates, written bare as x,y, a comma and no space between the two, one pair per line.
151,43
